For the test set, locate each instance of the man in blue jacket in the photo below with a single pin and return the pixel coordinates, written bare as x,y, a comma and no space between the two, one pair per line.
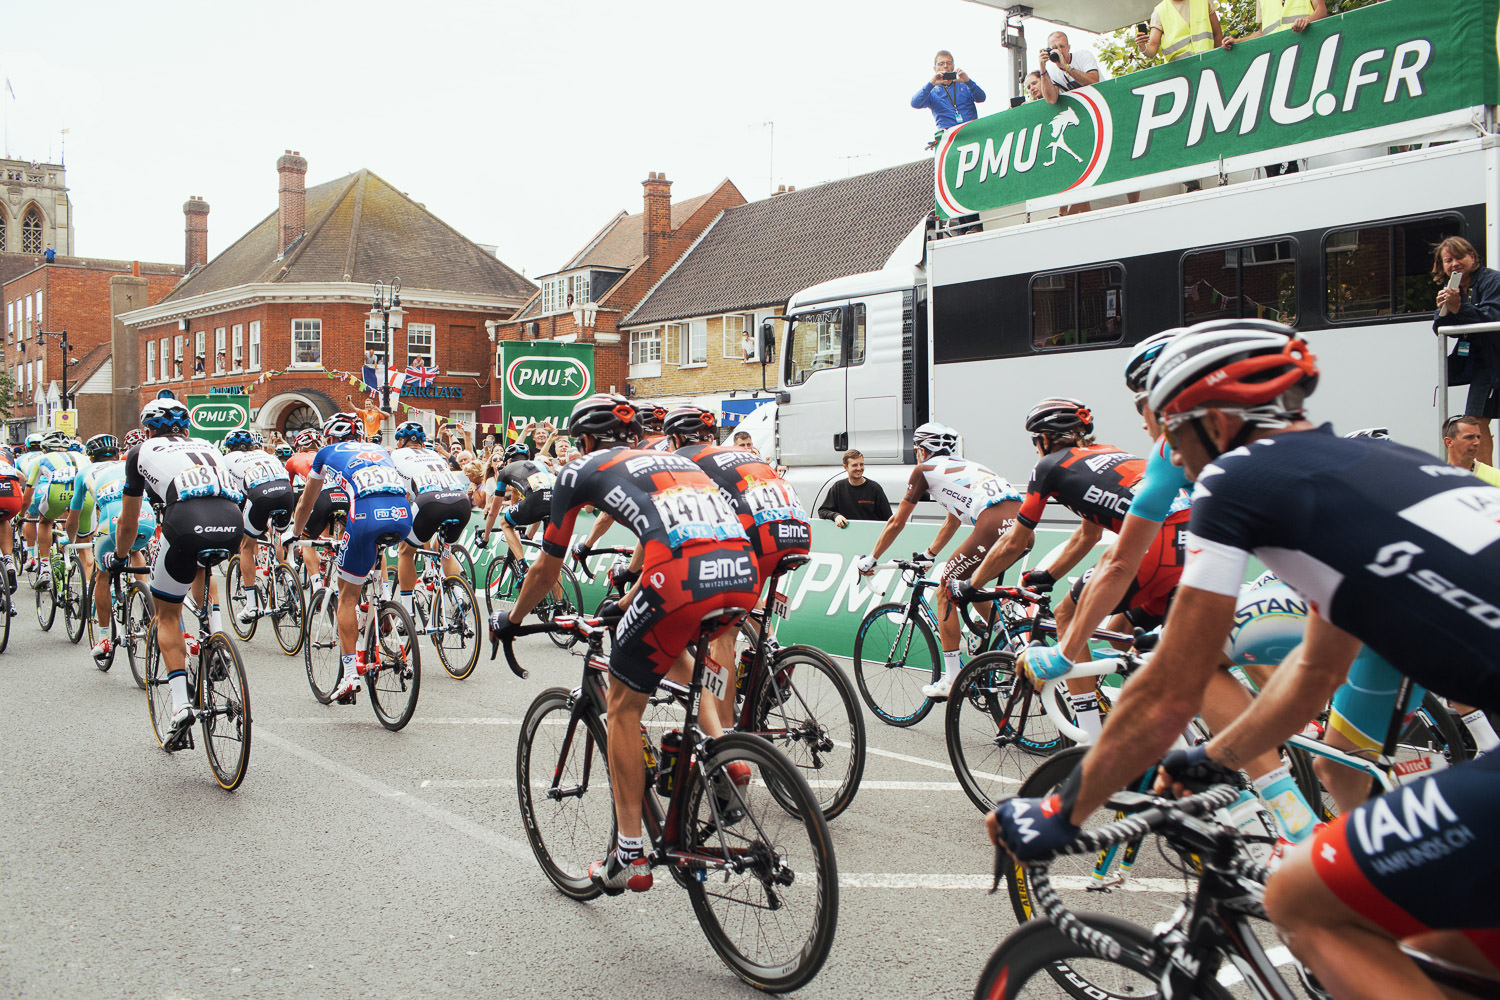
949,95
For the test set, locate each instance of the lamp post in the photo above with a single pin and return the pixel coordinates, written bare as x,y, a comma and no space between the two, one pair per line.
62,342
386,314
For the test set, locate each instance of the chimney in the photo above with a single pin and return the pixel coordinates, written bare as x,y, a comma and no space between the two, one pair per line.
658,213
196,210
291,205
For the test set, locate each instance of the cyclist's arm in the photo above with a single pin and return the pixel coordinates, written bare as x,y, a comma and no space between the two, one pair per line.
1013,544
130,519
1111,579
602,522
945,534
1083,538
892,529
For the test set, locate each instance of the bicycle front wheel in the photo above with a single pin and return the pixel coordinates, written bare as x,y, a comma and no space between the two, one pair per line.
455,632
501,585
762,878
996,729
288,612
395,676
7,611
234,600
46,604
139,613
807,709
226,697
465,564
566,599
562,781
320,649
158,691
75,599
894,655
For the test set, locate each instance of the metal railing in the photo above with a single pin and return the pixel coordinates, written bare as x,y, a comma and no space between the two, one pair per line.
1444,334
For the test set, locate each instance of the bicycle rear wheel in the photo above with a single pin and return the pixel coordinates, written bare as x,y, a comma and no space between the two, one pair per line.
75,599
288,612
320,649
455,633
807,709
996,732
763,879
894,655
7,611
562,781
226,696
466,563
158,692
501,585
234,600
46,603
139,613
395,677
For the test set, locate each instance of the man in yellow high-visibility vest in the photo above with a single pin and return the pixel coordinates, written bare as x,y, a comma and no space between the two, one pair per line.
1180,28
1283,15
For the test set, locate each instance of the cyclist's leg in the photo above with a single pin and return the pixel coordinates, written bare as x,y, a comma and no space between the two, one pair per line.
247,557
172,574
406,568
986,532
1359,719
1478,725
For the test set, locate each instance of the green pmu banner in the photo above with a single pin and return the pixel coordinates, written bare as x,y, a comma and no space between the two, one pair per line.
542,380
215,416
1375,75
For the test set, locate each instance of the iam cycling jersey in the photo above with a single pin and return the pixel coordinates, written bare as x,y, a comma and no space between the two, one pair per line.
442,495
964,489
535,484
767,505
1096,482
52,481
199,503
378,508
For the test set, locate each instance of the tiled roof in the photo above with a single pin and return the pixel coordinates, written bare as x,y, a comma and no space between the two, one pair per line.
96,360
359,229
759,254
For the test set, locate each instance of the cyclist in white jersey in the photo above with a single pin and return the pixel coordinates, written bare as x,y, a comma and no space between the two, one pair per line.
269,500
972,495
441,499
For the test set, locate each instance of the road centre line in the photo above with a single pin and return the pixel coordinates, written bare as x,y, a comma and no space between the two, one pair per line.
819,785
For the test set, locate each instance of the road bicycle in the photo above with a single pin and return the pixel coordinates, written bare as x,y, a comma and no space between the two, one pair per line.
217,689
131,612
445,610
505,575
731,818
278,596
619,561
64,584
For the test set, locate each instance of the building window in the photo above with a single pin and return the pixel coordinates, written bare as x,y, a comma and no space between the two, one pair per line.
150,361
1258,280
736,325
2,230
164,372
255,345
31,231
177,356
1376,272
219,350
39,309
1080,308
645,353
421,343
563,292
374,340
10,319
26,326
199,358
238,358
307,342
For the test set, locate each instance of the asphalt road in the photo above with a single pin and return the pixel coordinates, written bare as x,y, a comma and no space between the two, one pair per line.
354,862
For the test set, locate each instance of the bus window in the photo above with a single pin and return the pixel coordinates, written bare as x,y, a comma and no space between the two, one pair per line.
1078,308
1385,270
1258,280
813,344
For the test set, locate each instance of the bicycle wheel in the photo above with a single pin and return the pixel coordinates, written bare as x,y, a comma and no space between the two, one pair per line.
75,599
234,599
763,879
807,709
895,655
226,696
996,732
158,691
139,613
465,564
288,612
1038,956
395,677
566,599
562,782
501,584
46,605
320,649
7,611
455,634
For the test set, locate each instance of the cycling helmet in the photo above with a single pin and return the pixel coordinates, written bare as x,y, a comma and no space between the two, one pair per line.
652,418
1143,356
689,423
239,440
516,453
307,440
1378,433
54,441
33,442
1257,368
343,427
133,437
411,430
101,445
1060,415
607,417
935,438
164,415
75,445
284,452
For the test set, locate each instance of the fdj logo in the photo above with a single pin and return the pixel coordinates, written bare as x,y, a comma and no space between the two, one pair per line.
556,378
218,417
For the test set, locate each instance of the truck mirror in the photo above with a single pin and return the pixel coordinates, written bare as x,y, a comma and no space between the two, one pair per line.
767,342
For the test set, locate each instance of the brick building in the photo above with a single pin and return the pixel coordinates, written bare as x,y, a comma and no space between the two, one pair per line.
613,271
286,306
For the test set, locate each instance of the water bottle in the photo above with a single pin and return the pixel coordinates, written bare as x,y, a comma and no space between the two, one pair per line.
671,748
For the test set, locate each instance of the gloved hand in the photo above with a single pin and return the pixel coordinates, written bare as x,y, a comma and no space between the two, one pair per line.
1044,662
1032,828
609,610
1192,769
1039,580
865,565
481,539
623,578
578,549
501,627
923,559
962,590
107,561
289,537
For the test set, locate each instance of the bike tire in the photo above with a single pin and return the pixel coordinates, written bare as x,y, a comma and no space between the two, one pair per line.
460,552
234,600
893,657
569,831
320,648
455,633
805,706
46,606
225,694
501,587
395,679
565,599
288,610
7,611
1039,949
158,691
773,865
75,599
991,751
139,614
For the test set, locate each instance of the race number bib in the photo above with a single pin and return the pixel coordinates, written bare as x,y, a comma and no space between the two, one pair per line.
109,492
689,513
60,476
262,471
439,481
376,479
773,502
540,481
203,481
715,678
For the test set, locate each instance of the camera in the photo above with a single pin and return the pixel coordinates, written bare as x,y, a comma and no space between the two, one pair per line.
949,76
1017,101
1143,28
1054,57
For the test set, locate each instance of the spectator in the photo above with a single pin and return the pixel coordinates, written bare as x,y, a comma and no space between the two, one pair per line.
1279,15
950,95
198,364
370,415
1475,300
1179,28
855,498
1062,69
1034,86
1461,437
744,442
50,255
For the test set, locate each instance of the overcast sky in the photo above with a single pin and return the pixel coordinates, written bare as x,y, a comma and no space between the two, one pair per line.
525,126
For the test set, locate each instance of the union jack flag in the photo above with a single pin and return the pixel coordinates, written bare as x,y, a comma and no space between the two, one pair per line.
420,374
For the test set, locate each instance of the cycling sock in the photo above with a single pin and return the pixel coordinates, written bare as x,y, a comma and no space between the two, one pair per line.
1480,728
215,619
348,662
627,849
1279,791
951,663
250,596
406,601
177,681
1086,712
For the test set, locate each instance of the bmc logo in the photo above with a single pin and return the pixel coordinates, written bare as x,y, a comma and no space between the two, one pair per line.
1107,500
725,568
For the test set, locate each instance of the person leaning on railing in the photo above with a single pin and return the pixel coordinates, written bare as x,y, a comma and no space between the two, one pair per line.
1282,15
1180,28
1475,300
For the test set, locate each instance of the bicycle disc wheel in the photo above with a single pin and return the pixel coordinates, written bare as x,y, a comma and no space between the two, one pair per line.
396,677
226,727
562,782
158,691
893,657
1038,958
807,709
75,599
46,606
234,600
320,650
996,732
455,634
288,612
139,613
762,878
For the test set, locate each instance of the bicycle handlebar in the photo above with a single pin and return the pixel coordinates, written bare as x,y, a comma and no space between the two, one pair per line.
578,625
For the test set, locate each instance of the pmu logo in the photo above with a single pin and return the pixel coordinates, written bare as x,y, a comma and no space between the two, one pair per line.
548,377
218,417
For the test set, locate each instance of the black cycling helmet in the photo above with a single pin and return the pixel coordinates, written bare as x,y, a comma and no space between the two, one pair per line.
101,445
652,418
1060,415
410,430
607,417
516,453
239,440
165,416
689,423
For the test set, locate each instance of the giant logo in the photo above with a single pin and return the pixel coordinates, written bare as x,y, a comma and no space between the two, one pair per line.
552,378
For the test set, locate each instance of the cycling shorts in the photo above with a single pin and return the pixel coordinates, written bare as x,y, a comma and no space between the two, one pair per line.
534,508
1362,706
329,502
11,490
383,518
435,508
187,528
109,517
992,522
1150,594
773,539
35,508
666,610
270,503
1421,857
55,500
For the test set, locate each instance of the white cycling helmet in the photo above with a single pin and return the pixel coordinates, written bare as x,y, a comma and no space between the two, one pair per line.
935,438
1258,369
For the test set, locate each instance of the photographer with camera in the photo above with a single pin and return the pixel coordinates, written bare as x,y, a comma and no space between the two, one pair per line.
950,95
1062,69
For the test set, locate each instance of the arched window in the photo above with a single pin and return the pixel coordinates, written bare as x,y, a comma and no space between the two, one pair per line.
3,221
31,231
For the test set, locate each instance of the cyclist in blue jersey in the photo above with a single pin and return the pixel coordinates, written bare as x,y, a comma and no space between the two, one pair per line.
1359,529
379,513
98,496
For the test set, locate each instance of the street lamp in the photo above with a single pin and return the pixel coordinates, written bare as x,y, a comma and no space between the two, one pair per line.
385,315
62,342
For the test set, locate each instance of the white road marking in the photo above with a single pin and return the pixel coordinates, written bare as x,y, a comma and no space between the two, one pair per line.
821,785
884,880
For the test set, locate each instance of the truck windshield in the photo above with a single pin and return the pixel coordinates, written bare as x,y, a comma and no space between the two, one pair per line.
817,341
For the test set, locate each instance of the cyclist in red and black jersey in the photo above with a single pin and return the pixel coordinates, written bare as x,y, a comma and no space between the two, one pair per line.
694,560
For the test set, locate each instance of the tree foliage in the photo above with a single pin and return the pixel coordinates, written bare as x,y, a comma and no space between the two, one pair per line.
1118,54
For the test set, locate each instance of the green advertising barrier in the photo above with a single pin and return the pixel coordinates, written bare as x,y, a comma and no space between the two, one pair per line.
215,416
1370,77
542,380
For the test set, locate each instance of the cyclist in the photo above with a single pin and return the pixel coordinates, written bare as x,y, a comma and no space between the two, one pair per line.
197,509
378,506
97,498
972,495
25,463
283,452
694,561
442,504
12,490
269,500
1358,528
529,486
331,508
49,490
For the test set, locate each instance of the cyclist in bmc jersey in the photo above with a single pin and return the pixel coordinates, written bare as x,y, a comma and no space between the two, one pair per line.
379,514
442,500
331,509
98,496
269,501
694,560
49,492
12,491
198,509
972,495
1358,528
